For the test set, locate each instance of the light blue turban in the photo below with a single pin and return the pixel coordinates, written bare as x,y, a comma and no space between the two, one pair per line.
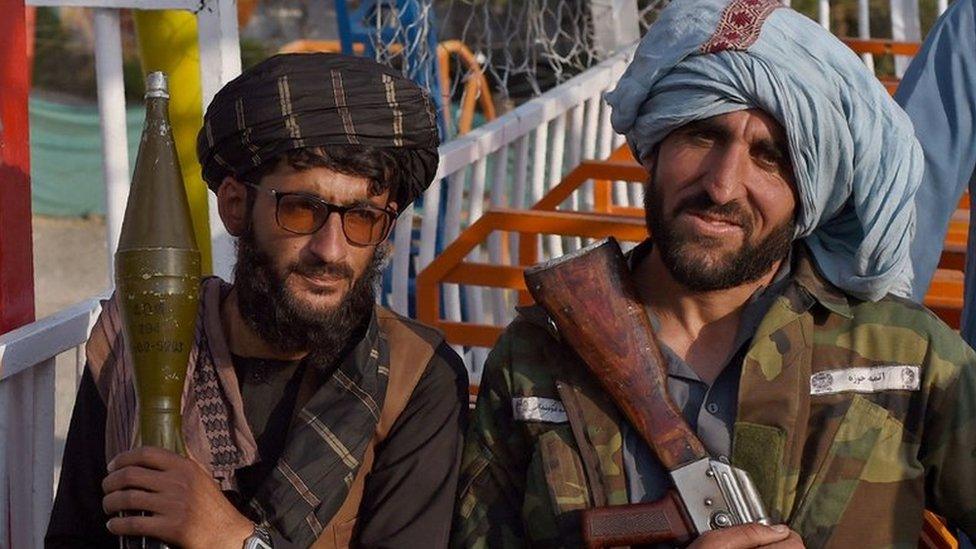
855,158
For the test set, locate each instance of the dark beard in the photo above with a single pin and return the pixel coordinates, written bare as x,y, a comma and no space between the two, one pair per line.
283,322
747,264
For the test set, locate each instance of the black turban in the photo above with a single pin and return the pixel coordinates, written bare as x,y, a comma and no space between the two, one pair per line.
302,100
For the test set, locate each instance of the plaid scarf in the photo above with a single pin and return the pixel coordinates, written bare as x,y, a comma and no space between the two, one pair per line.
324,449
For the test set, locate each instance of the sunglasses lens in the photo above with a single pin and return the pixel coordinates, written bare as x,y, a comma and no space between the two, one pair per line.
365,226
299,214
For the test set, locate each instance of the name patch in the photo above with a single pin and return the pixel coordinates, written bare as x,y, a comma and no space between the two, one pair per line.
868,379
545,410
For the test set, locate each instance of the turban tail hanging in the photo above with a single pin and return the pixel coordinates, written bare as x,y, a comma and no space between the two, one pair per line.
296,101
855,159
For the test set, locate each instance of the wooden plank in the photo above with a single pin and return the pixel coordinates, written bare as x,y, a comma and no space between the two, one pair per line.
16,255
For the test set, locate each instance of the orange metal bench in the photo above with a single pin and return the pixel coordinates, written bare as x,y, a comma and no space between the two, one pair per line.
450,266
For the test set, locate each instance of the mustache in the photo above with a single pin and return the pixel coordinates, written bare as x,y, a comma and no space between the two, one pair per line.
730,212
323,269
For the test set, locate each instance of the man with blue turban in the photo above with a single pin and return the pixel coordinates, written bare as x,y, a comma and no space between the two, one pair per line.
780,204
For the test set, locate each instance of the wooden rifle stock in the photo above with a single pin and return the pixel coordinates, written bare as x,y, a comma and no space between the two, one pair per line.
590,297
593,302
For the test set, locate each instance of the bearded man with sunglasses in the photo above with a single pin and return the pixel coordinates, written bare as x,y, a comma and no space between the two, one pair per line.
312,416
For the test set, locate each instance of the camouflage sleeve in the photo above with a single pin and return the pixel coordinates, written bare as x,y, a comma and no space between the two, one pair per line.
492,480
948,443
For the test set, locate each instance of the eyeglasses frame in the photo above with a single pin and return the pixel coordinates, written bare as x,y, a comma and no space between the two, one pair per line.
330,208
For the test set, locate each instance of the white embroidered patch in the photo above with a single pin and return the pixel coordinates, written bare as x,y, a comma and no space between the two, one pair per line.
866,379
546,410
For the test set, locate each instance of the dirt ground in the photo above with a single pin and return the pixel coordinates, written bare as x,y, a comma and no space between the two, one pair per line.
70,262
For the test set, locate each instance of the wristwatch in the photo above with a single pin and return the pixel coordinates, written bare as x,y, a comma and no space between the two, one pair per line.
260,538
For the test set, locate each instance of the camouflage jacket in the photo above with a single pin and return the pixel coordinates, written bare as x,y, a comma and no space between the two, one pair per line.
851,465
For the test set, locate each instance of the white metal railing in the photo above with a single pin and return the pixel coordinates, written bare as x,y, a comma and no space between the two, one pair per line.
27,419
510,162
904,20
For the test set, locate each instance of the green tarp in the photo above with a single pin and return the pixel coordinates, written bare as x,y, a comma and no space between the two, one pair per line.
66,157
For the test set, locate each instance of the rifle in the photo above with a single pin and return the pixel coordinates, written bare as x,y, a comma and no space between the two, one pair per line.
614,337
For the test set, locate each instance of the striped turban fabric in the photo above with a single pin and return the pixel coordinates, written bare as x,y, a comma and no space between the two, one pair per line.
304,100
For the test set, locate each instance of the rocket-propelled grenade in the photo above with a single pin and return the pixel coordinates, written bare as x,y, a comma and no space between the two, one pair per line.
157,277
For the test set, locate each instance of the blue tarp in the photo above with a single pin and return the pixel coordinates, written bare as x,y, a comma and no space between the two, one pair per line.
66,157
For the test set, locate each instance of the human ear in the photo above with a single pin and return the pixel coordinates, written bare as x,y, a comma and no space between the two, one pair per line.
232,205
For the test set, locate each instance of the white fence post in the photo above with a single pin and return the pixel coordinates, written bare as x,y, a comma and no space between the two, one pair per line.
111,109
220,61
20,459
402,236
42,480
904,27
864,29
823,13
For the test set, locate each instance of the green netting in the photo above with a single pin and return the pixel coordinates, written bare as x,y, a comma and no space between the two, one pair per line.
66,157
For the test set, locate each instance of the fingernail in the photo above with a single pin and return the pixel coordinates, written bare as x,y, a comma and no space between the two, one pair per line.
111,465
780,528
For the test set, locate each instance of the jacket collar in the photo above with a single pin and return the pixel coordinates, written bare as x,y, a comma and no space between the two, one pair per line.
808,278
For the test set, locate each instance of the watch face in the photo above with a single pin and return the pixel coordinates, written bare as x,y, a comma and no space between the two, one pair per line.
260,539
255,542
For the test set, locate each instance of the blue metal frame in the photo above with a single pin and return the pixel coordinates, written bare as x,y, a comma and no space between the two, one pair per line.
357,26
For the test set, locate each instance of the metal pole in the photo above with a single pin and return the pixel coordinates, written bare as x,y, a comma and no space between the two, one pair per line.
615,25
111,109
823,13
864,29
905,27
220,61
16,250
